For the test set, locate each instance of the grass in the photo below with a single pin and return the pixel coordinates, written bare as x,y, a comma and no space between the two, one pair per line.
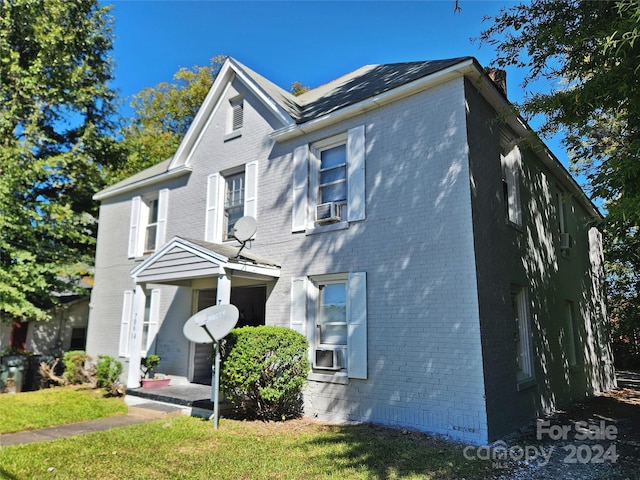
55,406
189,448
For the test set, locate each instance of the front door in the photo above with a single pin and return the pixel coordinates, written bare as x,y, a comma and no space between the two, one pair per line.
251,305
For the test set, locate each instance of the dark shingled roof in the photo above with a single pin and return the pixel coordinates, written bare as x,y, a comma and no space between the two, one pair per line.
354,87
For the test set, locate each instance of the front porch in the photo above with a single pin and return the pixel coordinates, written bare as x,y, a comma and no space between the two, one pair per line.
192,398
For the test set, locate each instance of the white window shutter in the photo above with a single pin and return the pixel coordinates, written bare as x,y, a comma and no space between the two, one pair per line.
163,207
134,227
211,218
298,315
300,188
357,327
154,318
251,189
125,322
355,169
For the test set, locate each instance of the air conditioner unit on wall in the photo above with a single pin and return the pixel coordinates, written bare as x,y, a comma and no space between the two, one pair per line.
329,212
566,241
328,358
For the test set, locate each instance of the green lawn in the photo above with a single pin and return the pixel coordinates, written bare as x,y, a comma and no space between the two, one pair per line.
189,448
55,406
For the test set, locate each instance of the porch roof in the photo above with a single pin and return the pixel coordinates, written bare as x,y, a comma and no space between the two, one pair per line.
183,259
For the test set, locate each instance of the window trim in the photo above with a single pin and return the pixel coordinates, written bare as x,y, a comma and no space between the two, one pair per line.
510,161
571,335
525,374
139,222
303,317
306,162
235,120
216,199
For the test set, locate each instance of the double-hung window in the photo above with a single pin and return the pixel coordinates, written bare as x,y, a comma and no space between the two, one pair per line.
570,334
233,203
230,196
329,182
331,310
511,164
522,334
148,223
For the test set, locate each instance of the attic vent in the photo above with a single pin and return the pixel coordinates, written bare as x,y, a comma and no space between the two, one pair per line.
237,114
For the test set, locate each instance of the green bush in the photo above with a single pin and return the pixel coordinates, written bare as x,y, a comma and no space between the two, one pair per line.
263,371
108,371
75,370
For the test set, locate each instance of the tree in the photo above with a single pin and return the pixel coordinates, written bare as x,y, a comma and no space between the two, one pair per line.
55,140
594,48
162,115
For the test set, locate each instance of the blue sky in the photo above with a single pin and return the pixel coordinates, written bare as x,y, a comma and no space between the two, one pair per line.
307,41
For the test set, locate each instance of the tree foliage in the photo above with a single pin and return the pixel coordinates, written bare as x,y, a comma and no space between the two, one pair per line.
594,49
162,115
55,139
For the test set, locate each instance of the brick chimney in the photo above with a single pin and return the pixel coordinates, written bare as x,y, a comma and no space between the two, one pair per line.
499,78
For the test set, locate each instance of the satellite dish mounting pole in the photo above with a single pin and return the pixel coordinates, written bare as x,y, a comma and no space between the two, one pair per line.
215,389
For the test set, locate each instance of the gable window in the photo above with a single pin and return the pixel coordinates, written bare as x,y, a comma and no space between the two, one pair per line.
522,334
230,196
511,186
235,118
329,182
331,310
148,223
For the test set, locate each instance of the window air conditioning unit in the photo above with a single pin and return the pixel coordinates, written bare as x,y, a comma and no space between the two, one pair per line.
328,358
566,241
330,212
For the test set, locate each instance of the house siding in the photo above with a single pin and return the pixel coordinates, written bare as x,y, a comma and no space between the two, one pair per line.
530,256
416,248
438,255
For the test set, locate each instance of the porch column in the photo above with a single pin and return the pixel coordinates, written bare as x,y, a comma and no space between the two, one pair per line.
224,288
139,302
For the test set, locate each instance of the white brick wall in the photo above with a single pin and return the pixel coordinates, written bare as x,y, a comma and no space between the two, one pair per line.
416,245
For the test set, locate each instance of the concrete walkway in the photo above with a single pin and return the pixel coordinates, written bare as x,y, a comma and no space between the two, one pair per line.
141,413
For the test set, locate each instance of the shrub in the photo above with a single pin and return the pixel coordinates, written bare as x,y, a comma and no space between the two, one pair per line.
148,364
263,371
108,371
75,369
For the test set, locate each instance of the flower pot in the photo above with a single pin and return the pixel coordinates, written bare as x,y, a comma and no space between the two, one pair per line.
155,382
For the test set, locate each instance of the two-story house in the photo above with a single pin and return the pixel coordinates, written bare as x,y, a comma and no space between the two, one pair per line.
444,266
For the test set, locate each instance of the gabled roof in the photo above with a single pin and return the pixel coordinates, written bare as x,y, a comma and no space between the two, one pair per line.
351,89
183,259
366,82
352,94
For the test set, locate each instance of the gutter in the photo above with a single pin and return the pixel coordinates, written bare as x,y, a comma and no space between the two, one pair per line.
169,174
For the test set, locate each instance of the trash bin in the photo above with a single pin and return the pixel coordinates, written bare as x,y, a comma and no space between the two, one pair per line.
12,373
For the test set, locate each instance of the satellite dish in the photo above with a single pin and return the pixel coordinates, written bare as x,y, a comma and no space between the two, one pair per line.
211,324
244,229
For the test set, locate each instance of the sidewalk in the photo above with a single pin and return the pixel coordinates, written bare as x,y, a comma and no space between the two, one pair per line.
144,412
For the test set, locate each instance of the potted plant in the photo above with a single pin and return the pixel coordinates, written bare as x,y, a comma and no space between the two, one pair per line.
150,379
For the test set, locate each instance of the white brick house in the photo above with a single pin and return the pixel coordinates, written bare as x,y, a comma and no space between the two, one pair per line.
444,266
